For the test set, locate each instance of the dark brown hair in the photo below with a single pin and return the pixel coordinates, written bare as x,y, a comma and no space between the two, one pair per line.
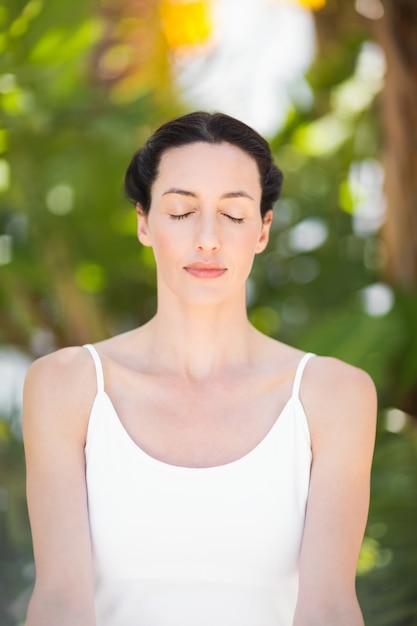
213,128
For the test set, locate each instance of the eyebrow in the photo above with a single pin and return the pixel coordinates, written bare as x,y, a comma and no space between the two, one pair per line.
191,194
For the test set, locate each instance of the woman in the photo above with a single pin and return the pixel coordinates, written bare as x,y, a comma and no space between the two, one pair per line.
194,471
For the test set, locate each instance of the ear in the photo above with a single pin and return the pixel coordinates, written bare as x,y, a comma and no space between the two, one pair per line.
264,234
143,230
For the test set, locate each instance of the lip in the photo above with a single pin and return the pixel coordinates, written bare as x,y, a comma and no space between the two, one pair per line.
205,270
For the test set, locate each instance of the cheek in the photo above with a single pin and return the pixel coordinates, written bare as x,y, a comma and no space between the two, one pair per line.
247,241
165,244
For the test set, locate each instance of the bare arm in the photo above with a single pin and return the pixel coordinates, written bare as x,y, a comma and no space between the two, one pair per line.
341,404
59,391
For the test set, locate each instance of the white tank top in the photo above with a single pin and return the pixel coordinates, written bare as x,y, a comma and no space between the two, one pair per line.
179,546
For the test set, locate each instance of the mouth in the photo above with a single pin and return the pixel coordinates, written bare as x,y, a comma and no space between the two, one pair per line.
205,270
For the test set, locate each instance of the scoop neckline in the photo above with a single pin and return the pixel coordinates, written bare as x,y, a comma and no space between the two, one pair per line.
164,465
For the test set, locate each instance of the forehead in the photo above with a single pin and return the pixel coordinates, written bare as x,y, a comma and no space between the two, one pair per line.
201,162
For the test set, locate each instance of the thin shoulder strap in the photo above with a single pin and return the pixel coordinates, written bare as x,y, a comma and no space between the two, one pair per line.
299,373
98,366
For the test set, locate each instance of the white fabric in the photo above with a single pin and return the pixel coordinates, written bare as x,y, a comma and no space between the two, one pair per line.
176,546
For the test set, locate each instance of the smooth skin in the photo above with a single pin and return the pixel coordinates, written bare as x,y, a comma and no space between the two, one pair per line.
204,227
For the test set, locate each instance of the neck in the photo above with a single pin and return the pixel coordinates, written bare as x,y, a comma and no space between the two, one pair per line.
200,342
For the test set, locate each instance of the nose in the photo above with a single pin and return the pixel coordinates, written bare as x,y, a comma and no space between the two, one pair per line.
207,237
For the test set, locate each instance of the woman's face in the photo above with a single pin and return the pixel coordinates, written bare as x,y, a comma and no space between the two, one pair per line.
204,222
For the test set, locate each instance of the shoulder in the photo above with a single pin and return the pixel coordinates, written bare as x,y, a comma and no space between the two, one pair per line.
337,379
59,371
60,385
340,401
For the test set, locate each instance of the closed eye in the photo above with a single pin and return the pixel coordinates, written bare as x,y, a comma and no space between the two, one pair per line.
181,216
236,220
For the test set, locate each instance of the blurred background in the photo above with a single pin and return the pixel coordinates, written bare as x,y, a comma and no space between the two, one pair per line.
333,86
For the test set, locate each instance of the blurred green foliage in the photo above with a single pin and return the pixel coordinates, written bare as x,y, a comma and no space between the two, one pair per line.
72,271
